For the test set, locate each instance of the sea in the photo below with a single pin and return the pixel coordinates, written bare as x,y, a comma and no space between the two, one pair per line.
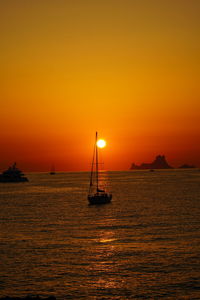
145,244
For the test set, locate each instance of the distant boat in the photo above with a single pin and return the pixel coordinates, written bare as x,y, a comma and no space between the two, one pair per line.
97,195
13,174
52,172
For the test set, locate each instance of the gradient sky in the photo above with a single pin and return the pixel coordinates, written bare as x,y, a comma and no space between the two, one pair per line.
129,69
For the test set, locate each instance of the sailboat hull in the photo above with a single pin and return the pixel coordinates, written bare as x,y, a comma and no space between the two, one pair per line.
98,199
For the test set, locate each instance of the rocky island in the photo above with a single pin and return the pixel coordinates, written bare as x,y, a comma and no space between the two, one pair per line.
159,163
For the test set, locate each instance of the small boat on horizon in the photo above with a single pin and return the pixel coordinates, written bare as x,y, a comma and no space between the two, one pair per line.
52,172
13,174
96,194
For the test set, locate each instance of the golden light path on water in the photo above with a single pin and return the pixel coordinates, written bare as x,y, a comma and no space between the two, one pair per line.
142,245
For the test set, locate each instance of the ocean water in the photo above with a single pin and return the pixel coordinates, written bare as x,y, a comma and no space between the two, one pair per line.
143,245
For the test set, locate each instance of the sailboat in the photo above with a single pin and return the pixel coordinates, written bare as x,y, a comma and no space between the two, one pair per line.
52,172
97,195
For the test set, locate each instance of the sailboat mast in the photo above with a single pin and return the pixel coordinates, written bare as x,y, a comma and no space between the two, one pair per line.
97,163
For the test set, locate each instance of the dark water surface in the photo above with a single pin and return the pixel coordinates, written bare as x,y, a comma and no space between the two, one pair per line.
144,245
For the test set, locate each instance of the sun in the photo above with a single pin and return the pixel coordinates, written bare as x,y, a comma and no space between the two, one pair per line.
101,143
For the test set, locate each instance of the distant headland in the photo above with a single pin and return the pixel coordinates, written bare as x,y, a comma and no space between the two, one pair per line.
186,166
159,162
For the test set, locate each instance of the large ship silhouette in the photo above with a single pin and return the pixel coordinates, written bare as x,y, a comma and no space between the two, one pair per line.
13,174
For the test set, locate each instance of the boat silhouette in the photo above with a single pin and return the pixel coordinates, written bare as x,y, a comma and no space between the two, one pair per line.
13,174
52,172
96,194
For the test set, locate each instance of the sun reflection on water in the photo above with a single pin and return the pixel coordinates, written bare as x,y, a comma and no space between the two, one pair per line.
106,237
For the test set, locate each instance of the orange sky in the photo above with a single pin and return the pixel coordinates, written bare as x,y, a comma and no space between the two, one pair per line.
129,69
